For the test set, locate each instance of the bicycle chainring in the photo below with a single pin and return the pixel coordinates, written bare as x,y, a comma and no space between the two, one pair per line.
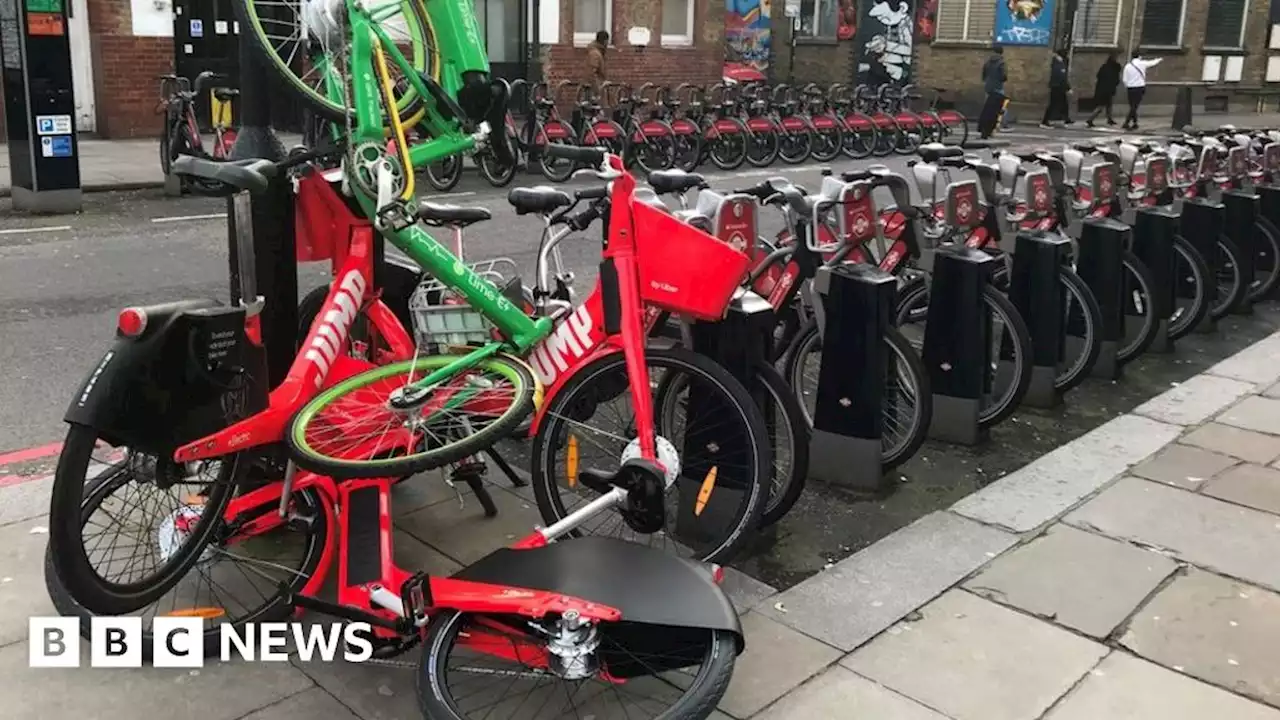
363,162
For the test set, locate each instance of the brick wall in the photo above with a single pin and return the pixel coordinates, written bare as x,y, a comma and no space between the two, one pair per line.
125,70
702,63
822,61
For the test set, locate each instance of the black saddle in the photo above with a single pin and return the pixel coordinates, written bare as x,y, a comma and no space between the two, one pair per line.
452,215
675,181
933,152
225,94
540,200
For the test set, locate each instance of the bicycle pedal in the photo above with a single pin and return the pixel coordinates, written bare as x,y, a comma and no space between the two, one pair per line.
416,594
395,217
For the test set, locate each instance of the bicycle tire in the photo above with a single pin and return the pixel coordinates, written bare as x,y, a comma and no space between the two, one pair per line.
831,140
886,137
494,172
1019,339
667,142
808,340
740,142
904,144
689,151
71,561
445,175
166,145
1266,254
1193,270
853,137
555,169
785,137
1138,279
436,701
950,127
1229,262
768,158
579,389
386,465
1091,315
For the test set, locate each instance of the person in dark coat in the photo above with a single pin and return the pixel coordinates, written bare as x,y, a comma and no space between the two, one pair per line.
994,76
1059,86
1104,90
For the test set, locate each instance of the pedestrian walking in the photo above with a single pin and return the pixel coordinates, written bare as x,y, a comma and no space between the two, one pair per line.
994,76
1104,89
596,60
1059,86
1135,81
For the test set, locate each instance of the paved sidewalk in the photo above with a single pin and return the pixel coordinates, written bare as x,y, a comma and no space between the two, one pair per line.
1128,575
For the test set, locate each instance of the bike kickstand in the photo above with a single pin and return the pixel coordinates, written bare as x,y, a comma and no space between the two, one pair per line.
505,467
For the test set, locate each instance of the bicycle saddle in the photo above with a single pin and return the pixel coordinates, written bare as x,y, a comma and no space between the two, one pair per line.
546,103
452,215
225,94
933,152
541,199
251,175
672,181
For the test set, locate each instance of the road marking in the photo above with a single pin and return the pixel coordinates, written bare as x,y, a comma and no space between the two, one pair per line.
29,454
185,218
47,228
432,198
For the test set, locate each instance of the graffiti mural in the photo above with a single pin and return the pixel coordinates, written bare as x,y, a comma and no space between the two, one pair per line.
747,34
1024,22
927,20
885,36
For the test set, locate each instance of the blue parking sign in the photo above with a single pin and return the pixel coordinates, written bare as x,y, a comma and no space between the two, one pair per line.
197,28
45,125
60,146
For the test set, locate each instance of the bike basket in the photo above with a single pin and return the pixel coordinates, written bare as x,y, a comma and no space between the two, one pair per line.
683,269
440,315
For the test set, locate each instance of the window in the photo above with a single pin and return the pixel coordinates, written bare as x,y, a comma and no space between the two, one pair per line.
966,20
818,18
1098,22
1225,28
677,22
589,18
1162,23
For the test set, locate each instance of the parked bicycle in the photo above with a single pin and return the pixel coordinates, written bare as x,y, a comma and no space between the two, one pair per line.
181,134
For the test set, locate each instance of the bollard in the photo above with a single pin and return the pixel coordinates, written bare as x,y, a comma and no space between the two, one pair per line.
739,344
1037,293
956,342
1240,214
857,301
1153,231
1182,108
1203,221
1101,266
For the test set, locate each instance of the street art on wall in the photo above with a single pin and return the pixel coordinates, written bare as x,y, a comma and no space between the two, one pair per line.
885,37
1024,22
747,34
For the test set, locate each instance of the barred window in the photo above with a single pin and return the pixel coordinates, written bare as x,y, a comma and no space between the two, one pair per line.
1098,22
1225,28
1162,22
966,20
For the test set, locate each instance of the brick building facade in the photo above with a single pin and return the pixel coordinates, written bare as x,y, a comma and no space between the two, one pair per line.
125,68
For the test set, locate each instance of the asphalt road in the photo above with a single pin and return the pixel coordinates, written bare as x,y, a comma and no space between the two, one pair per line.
63,279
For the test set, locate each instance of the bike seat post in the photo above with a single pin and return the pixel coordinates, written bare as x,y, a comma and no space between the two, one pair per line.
242,208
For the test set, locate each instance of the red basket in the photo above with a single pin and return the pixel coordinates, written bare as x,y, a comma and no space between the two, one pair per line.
683,269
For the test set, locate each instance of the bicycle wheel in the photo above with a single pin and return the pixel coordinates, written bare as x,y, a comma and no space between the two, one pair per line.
788,432
908,402
654,152
1230,283
727,150
887,133
1009,373
299,50
762,147
187,509
1266,259
444,175
495,172
1084,332
353,428
555,169
166,144
1140,320
827,142
954,124
239,580
473,663
722,448
795,147
861,138
1191,283
910,134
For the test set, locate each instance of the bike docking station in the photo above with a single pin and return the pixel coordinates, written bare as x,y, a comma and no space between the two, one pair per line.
1240,214
40,108
957,345
1101,265
854,305
1034,289
1203,222
1154,229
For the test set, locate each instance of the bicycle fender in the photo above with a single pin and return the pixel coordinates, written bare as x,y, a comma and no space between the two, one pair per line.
651,588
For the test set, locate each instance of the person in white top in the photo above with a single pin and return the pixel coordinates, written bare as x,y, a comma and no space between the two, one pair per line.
1135,80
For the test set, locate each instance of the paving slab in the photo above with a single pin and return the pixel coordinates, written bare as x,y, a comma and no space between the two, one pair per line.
370,691
465,534
22,590
25,500
1032,496
1195,400
1255,486
776,660
838,693
216,691
1233,540
1126,688
1260,414
1219,630
745,591
869,591
1255,364
306,705
1074,578
971,659
1227,440
1184,466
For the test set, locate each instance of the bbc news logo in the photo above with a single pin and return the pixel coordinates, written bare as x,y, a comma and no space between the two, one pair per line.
178,642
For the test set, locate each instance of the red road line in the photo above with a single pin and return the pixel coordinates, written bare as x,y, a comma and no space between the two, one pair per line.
33,453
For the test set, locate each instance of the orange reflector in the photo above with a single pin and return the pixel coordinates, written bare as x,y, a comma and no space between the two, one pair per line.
205,613
704,493
571,461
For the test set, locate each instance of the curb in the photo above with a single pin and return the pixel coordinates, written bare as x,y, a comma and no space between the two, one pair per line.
7,191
